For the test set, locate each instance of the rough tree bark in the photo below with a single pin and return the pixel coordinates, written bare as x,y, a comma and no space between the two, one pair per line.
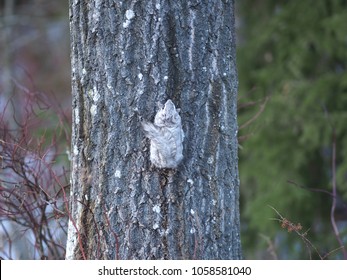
127,56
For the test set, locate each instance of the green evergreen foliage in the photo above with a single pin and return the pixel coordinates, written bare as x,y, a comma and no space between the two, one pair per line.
294,53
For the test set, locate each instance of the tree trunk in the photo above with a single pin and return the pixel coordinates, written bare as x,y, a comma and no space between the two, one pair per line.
127,56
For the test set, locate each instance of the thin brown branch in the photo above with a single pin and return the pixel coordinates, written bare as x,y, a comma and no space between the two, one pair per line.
261,109
310,189
333,206
271,246
297,228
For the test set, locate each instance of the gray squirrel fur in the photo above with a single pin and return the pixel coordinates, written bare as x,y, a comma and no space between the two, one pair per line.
166,137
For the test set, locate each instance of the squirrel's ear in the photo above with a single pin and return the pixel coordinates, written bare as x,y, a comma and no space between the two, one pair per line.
178,110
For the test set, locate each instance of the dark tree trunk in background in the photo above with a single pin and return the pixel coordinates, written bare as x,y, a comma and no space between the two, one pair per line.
127,56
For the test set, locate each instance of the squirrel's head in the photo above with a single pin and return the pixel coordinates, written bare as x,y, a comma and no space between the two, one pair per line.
167,115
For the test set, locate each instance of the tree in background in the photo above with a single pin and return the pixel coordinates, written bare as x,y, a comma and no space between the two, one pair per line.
127,56
292,54
34,129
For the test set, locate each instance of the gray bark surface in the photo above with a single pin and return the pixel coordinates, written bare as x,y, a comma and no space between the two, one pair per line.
127,56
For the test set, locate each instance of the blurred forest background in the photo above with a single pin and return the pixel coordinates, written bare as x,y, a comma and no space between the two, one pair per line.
292,62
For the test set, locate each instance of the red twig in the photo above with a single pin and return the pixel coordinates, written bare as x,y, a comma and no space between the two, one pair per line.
29,179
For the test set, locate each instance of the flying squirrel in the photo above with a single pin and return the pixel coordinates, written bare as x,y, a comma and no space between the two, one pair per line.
166,136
